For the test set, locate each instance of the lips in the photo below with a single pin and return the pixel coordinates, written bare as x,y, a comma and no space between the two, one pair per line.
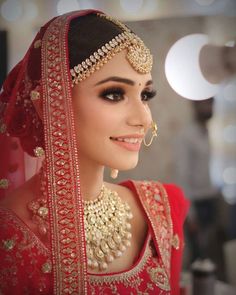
129,140
130,143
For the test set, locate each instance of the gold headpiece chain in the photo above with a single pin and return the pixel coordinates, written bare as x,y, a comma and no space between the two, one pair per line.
138,54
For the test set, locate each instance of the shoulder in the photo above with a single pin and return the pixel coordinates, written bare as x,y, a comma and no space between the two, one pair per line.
178,202
171,195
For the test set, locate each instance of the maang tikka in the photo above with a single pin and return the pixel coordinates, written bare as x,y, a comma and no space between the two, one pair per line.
138,55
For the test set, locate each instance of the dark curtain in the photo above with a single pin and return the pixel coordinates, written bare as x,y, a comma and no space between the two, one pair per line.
3,56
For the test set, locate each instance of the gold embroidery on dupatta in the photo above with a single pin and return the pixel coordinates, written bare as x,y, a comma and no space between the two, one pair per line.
8,244
23,251
29,238
155,202
65,205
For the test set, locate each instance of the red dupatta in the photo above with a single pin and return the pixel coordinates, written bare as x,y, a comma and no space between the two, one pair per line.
45,69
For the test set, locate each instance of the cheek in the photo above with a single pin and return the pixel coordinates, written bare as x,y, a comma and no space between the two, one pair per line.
95,119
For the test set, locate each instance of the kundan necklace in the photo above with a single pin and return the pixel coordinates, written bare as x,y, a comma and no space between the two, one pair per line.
107,228
106,221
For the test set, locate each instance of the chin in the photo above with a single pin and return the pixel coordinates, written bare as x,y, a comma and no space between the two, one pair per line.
126,165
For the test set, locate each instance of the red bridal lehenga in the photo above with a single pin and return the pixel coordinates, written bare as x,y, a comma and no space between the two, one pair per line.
28,266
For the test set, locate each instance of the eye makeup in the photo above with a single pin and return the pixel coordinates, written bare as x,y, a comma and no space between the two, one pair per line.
147,94
113,94
116,94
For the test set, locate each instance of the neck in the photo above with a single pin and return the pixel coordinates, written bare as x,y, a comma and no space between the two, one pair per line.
91,180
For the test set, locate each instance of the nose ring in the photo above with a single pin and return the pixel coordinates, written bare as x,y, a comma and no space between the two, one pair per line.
154,134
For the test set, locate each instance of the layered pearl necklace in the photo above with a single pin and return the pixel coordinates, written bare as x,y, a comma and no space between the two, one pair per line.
106,221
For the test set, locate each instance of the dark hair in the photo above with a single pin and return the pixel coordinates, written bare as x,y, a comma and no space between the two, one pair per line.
87,34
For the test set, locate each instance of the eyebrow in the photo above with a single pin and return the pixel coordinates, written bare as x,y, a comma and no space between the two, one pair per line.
121,80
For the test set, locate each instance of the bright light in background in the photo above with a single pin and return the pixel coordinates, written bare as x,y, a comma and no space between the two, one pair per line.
64,6
205,2
131,6
11,10
31,11
229,175
230,43
183,70
150,5
229,193
229,133
86,4
229,92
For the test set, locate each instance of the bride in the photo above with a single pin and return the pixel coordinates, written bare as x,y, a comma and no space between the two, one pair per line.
78,102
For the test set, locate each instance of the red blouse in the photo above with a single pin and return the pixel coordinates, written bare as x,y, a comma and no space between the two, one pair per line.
25,261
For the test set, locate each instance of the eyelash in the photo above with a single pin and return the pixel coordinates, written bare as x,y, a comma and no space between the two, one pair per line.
117,94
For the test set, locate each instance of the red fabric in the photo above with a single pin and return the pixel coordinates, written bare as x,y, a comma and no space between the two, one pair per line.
12,163
23,257
179,208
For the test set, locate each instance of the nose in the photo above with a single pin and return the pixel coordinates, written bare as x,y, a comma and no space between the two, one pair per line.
139,114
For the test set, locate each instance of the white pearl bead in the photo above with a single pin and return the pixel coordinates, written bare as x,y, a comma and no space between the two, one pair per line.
122,248
109,258
127,243
94,264
103,265
118,253
89,262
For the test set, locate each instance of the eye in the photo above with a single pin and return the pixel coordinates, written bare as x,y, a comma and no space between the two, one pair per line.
146,95
113,94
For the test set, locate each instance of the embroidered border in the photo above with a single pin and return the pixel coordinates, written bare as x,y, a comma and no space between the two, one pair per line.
155,201
64,200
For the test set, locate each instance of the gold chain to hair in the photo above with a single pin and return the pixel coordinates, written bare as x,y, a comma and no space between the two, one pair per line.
138,54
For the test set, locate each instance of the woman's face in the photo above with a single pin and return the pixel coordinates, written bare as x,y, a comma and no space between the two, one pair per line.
112,114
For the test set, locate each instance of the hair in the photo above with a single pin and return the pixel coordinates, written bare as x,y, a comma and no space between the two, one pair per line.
87,34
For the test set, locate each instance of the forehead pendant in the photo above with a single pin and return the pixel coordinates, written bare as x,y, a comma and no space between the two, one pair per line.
138,54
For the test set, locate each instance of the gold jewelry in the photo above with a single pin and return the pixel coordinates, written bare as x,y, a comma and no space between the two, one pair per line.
138,54
34,95
107,228
39,151
37,43
40,214
106,221
154,134
114,173
4,183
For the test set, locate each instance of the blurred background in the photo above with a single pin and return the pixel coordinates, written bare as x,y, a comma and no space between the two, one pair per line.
196,151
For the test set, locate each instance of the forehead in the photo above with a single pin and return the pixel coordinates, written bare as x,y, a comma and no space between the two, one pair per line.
117,66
